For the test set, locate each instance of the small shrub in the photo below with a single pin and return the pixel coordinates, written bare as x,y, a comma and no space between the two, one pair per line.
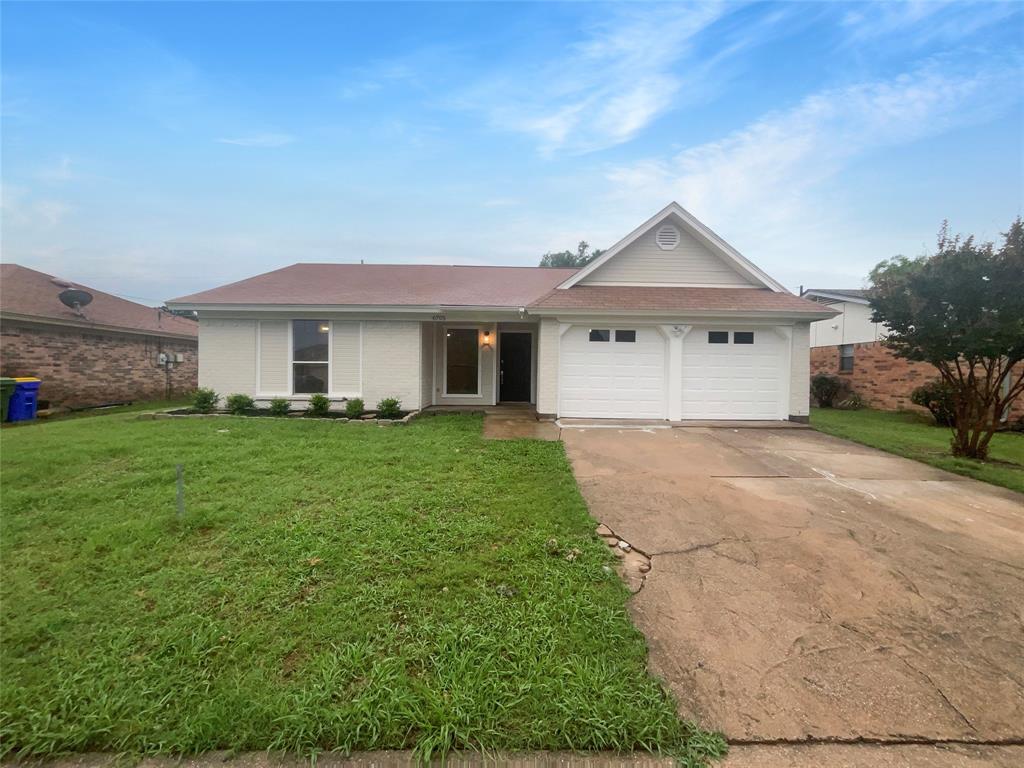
852,402
389,408
319,405
937,397
354,408
280,406
239,404
205,400
825,389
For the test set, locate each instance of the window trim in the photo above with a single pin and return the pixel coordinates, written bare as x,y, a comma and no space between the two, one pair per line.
709,341
843,357
479,361
625,341
591,331
292,361
744,343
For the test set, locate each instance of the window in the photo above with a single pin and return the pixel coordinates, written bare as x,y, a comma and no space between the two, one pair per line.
311,356
743,337
461,361
718,337
625,335
597,335
846,358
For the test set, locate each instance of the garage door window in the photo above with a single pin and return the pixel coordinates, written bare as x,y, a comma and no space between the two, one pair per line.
629,336
599,335
311,356
743,337
718,337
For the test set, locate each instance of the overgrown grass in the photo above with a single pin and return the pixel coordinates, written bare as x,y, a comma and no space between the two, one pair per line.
330,587
917,437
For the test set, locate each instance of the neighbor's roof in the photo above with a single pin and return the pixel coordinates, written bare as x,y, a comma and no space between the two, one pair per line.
387,285
642,298
856,294
28,294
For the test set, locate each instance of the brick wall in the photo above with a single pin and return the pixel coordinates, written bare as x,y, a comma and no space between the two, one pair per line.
884,380
80,367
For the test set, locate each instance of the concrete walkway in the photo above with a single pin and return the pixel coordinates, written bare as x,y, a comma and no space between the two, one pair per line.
780,756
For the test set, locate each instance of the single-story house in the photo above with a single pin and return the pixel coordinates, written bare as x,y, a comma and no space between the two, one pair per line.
669,323
850,346
101,349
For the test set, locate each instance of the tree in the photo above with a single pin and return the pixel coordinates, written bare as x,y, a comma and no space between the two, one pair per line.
569,259
961,310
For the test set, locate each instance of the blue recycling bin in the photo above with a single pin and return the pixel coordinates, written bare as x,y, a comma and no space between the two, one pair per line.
24,400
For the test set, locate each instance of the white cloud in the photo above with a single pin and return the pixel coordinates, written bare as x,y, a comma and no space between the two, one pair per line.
918,22
772,183
59,171
20,208
603,90
260,140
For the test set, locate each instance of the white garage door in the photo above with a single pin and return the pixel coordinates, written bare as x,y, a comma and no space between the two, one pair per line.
733,373
612,372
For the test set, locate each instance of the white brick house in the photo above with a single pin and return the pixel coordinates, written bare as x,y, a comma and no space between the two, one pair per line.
670,323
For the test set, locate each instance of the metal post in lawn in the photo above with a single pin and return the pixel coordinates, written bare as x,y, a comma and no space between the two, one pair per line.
181,489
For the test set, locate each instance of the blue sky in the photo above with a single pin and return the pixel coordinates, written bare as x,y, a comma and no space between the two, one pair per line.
154,149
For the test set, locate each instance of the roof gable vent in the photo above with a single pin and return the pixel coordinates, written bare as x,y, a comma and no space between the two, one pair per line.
667,237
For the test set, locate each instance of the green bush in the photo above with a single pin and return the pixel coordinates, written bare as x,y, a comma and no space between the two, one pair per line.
280,406
354,408
825,389
389,408
852,402
238,404
319,405
937,397
205,400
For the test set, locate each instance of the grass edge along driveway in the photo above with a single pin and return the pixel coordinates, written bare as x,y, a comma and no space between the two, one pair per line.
331,587
915,436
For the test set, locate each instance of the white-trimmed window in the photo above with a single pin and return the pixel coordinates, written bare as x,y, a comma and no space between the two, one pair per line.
462,361
600,334
311,356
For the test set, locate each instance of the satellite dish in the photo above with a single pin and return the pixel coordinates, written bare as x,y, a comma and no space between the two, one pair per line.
75,299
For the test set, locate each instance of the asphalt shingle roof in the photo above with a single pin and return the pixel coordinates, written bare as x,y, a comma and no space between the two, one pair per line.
27,293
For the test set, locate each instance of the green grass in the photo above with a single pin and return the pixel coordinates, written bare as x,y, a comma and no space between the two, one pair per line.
330,587
917,437
150,405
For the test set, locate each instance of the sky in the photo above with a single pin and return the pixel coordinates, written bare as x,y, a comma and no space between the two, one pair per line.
154,150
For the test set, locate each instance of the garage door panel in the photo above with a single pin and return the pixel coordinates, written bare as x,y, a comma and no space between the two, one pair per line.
612,379
732,381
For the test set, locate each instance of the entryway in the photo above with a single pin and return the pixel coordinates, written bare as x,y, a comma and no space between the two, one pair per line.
515,364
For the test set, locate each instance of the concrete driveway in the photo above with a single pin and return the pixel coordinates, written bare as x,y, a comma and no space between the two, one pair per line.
807,588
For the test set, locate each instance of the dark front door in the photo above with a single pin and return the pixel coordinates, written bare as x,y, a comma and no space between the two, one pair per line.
516,351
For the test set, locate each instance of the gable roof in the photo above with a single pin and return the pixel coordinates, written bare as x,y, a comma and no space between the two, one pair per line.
643,299
856,295
702,233
385,285
26,294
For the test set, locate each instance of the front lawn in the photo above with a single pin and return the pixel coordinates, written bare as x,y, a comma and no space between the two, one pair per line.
330,586
917,437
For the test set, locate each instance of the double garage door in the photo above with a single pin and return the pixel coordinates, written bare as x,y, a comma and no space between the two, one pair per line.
623,373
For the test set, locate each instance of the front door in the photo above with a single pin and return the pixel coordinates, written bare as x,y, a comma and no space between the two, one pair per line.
516,350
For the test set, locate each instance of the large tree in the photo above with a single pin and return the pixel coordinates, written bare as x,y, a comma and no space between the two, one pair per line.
581,258
962,310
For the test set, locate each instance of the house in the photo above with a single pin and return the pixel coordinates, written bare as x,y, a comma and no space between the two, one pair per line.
96,348
669,323
849,346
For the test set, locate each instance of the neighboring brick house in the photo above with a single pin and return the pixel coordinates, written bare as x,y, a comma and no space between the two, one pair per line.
110,351
850,346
